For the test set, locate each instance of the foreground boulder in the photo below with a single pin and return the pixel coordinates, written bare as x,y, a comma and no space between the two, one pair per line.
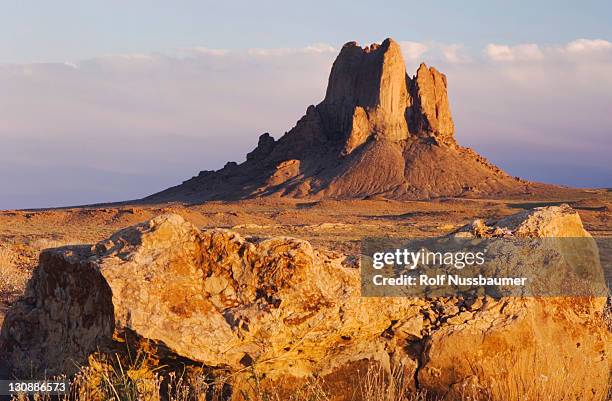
279,309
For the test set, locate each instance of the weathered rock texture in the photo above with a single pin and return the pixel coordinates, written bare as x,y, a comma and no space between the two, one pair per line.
281,309
378,132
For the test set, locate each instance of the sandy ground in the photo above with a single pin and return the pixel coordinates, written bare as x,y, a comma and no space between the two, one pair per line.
335,225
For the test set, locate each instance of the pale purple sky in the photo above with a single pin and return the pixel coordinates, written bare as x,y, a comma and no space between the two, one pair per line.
114,123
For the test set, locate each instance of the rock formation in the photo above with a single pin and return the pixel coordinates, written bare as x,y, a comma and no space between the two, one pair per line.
282,309
377,132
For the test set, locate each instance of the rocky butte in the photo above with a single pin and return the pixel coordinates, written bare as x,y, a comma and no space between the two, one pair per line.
377,132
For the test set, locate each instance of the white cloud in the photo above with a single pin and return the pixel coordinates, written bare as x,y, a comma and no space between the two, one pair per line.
130,57
205,51
588,45
413,51
499,52
574,51
317,48
71,64
434,53
320,48
455,53
522,52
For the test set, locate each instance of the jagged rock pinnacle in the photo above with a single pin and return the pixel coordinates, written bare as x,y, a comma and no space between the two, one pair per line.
431,112
369,95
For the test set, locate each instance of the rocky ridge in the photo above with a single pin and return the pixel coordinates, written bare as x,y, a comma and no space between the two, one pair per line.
280,308
377,133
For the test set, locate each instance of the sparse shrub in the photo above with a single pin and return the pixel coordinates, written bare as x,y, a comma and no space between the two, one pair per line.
110,378
311,390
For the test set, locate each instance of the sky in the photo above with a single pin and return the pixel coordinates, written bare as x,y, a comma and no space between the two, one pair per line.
113,100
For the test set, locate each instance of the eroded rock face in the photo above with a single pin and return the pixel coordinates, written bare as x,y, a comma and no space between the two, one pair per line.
431,112
283,309
369,95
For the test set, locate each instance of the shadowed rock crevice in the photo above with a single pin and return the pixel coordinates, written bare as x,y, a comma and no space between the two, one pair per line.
71,300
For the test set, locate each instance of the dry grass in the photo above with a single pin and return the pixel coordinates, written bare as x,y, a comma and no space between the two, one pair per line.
109,379
377,385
